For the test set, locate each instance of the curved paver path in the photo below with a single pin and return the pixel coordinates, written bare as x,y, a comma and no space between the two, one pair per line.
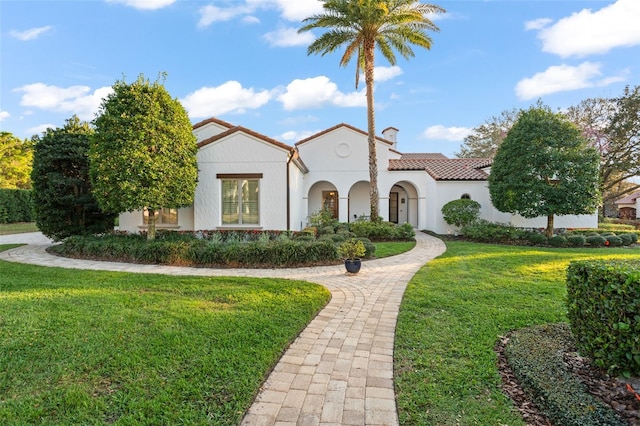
339,370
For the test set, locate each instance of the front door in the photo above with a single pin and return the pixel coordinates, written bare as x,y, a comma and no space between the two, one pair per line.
393,207
330,202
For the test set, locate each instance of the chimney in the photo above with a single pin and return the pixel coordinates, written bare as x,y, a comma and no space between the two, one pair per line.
390,134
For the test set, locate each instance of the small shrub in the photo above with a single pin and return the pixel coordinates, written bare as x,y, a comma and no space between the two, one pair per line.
577,240
627,239
461,212
369,247
326,230
352,249
558,241
613,241
382,231
537,238
596,240
485,231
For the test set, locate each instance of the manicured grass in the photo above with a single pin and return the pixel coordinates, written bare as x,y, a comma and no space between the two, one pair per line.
391,248
452,314
92,347
17,228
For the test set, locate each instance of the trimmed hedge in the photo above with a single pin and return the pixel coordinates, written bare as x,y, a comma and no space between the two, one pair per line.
382,231
485,231
603,301
185,249
16,205
535,356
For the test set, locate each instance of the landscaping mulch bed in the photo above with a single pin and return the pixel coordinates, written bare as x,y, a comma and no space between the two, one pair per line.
619,394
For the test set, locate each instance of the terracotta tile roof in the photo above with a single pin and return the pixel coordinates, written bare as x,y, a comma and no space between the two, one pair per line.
629,199
337,126
440,167
235,129
213,120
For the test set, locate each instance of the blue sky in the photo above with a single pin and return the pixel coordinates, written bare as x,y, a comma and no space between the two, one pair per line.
242,61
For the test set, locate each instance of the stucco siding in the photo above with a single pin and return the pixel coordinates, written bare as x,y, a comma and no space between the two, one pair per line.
241,154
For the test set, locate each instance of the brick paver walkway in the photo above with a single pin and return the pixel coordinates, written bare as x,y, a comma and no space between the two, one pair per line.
339,370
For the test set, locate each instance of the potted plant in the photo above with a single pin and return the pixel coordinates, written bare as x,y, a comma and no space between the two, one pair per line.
351,251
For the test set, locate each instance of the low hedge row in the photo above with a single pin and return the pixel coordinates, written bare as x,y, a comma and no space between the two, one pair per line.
182,249
16,206
535,356
489,232
603,301
382,231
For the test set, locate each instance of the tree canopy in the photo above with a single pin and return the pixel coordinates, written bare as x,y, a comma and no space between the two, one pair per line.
63,203
544,167
16,156
143,153
361,26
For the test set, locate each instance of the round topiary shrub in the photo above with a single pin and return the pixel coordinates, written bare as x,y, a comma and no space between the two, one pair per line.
558,241
461,212
536,238
596,241
577,240
614,241
627,239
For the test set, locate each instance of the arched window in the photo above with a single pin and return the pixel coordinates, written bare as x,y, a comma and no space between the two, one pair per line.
465,197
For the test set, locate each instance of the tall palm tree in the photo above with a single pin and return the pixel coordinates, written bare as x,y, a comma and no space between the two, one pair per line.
361,26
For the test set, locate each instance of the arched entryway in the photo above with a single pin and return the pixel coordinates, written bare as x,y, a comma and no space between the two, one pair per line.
403,203
324,195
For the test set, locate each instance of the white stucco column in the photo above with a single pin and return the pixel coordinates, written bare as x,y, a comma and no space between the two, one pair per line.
383,207
422,213
343,209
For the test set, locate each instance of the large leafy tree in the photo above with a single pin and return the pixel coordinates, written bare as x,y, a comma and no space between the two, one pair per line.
16,156
143,153
544,167
361,26
63,202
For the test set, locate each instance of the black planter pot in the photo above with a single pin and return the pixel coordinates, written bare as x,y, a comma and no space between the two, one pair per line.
352,265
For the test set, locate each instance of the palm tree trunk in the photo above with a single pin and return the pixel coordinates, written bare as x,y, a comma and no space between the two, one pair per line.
151,227
371,130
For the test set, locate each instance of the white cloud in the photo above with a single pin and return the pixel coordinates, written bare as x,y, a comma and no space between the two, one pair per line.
562,78
537,24
228,97
4,115
37,130
316,92
440,132
30,34
210,14
386,73
76,100
587,32
144,4
294,11
298,10
295,136
286,37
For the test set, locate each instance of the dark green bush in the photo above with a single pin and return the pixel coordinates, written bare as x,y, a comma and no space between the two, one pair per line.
558,241
614,241
537,238
461,212
369,247
185,249
16,205
577,240
596,240
603,301
627,239
382,231
535,357
489,232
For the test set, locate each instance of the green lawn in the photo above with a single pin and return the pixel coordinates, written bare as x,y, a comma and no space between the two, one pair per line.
452,313
17,228
391,248
92,347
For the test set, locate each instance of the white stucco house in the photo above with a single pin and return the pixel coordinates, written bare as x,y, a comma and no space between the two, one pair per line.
248,180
